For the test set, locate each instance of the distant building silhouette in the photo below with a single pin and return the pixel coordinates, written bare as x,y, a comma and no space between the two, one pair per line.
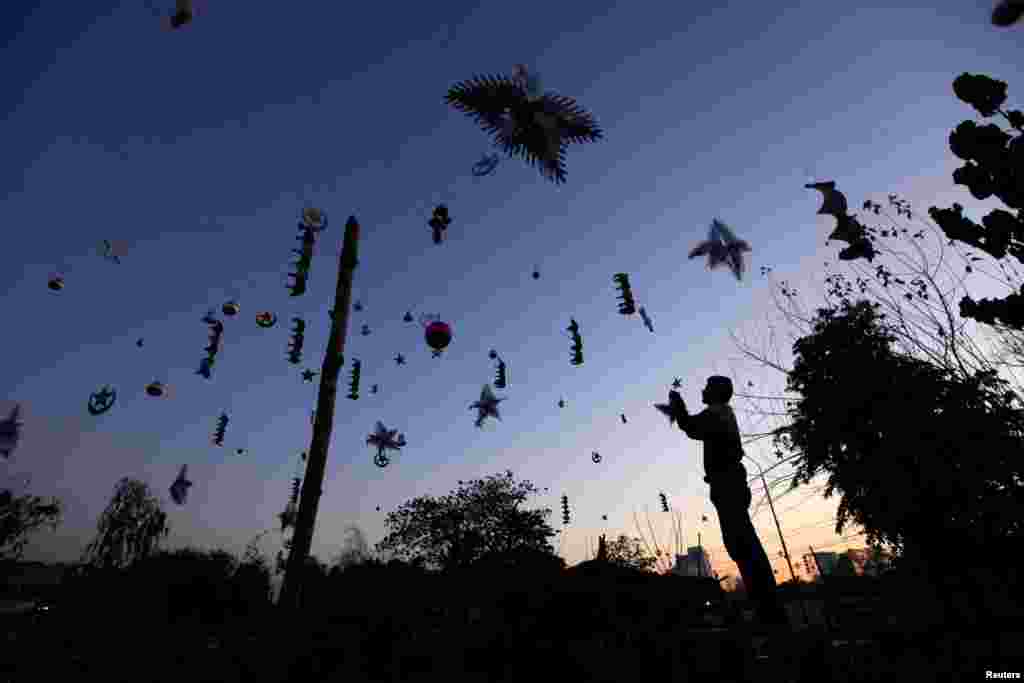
694,563
819,563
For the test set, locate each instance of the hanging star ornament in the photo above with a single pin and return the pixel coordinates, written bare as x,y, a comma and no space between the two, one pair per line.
384,439
399,359
722,247
487,406
308,375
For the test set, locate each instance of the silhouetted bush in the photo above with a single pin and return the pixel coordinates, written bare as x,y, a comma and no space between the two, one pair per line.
173,585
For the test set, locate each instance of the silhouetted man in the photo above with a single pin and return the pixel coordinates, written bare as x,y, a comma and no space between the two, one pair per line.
716,426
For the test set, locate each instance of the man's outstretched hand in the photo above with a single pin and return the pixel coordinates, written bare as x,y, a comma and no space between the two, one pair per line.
675,409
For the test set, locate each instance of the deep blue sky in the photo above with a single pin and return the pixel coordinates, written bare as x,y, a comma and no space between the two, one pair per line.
198,148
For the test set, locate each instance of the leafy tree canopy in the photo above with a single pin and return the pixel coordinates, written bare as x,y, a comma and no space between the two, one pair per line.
20,516
916,452
482,516
627,552
993,166
130,528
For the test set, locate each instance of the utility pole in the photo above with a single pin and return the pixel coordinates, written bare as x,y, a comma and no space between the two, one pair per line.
323,423
700,560
778,528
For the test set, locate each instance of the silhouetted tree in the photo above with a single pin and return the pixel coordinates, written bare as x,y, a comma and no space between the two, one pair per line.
844,567
20,516
627,552
481,516
354,549
251,581
994,166
917,453
192,582
129,529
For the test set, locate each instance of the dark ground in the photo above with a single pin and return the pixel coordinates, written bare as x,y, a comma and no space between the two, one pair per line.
276,647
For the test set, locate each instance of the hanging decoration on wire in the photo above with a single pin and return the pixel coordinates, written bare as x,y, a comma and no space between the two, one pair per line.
213,347
298,338
577,342
501,371
180,487
1007,12
627,304
56,282
722,247
595,456
313,219
10,432
384,439
848,228
182,14
303,262
112,250
647,319
266,319
102,400
487,165
486,406
221,428
353,387
525,121
439,222
437,333
565,509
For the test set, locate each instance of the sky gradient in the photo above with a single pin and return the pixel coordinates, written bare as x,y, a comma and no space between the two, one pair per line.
198,148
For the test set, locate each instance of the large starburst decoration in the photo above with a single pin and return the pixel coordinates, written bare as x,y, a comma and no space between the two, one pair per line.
722,246
384,440
534,128
487,406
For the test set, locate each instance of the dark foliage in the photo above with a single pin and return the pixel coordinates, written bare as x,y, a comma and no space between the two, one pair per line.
919,454
994,166
130,528
20,516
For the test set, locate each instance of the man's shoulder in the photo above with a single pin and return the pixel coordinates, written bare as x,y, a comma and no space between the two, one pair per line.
720,410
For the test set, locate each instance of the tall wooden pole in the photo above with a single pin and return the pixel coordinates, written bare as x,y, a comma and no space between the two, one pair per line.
778,528
316,460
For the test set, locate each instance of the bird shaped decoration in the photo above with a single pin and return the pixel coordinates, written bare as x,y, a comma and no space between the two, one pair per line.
536,128
486,406
722,247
